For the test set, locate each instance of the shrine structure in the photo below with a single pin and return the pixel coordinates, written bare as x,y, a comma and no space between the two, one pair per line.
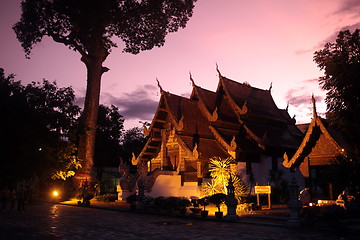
237,120
321,147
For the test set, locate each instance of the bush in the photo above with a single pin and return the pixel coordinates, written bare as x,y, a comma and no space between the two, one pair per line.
132,199
106,198
218,199
204,202
184,202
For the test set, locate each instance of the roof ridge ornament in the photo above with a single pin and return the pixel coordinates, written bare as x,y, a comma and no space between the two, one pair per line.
158,83
217,69
244,109
195,152
270,87
214,115
146,131
233,144
181,123
134,160
313,100
192,80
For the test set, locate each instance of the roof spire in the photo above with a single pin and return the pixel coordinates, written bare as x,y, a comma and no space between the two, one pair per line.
192,80
270,87
217,69
158,83
314,105
287,106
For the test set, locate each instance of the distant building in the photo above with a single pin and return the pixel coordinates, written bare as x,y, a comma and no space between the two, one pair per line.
237,120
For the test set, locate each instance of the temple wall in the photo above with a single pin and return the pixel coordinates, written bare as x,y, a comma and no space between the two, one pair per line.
170,186
166,186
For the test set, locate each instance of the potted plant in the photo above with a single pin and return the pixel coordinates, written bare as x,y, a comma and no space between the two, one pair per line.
132,199
195,209
183,204
218,199
204,202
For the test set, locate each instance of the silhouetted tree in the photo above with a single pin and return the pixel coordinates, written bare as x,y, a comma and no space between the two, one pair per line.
35,123
89,27
108,135
341,64
133,141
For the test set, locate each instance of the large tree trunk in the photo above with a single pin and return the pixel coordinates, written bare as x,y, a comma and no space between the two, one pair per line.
89,120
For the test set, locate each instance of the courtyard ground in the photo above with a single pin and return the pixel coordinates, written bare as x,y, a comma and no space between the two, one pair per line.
43,220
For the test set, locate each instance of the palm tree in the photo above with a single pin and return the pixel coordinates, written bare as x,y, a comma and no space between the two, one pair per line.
220,171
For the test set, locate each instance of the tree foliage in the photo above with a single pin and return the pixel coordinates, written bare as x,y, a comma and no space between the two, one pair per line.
340,62
132,142
220,171
90,27
35,123
108,136
343,173
87,25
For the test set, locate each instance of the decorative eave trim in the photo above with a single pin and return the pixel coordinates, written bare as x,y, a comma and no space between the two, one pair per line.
289,163
179,125
329,137
189,152
151,128
220,139
202,105
240,111
316,122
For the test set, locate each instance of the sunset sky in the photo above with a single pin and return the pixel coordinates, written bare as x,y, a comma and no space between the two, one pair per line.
258,41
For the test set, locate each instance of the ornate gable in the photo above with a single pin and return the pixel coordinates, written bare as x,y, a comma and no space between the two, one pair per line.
318,144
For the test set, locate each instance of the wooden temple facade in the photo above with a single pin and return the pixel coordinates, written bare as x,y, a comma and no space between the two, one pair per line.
237,120
321,146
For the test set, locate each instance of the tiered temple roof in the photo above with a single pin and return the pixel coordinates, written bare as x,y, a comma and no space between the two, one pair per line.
321,143
235,120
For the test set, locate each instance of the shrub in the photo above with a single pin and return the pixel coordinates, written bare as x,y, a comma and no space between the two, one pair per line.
218,199
106,198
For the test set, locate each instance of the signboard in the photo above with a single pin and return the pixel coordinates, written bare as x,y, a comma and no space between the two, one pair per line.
262,189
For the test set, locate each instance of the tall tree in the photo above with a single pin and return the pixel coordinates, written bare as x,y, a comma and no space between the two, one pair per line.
340,62
108,135
89,27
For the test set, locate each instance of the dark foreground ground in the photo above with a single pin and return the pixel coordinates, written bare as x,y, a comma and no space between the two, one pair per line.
53,221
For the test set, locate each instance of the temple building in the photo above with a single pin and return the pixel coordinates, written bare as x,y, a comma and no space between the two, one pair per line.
237,120
321,147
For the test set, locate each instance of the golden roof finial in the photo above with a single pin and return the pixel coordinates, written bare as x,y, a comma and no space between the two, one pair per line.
192,80
158,83
314,106
217,69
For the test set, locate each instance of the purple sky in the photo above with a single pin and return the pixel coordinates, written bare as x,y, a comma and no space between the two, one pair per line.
256,41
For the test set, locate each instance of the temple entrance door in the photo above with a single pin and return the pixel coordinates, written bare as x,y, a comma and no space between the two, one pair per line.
173,156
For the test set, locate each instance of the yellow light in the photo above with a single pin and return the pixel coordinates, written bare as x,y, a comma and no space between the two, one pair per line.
55,193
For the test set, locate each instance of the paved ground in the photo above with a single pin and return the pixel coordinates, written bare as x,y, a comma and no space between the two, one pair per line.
53,221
